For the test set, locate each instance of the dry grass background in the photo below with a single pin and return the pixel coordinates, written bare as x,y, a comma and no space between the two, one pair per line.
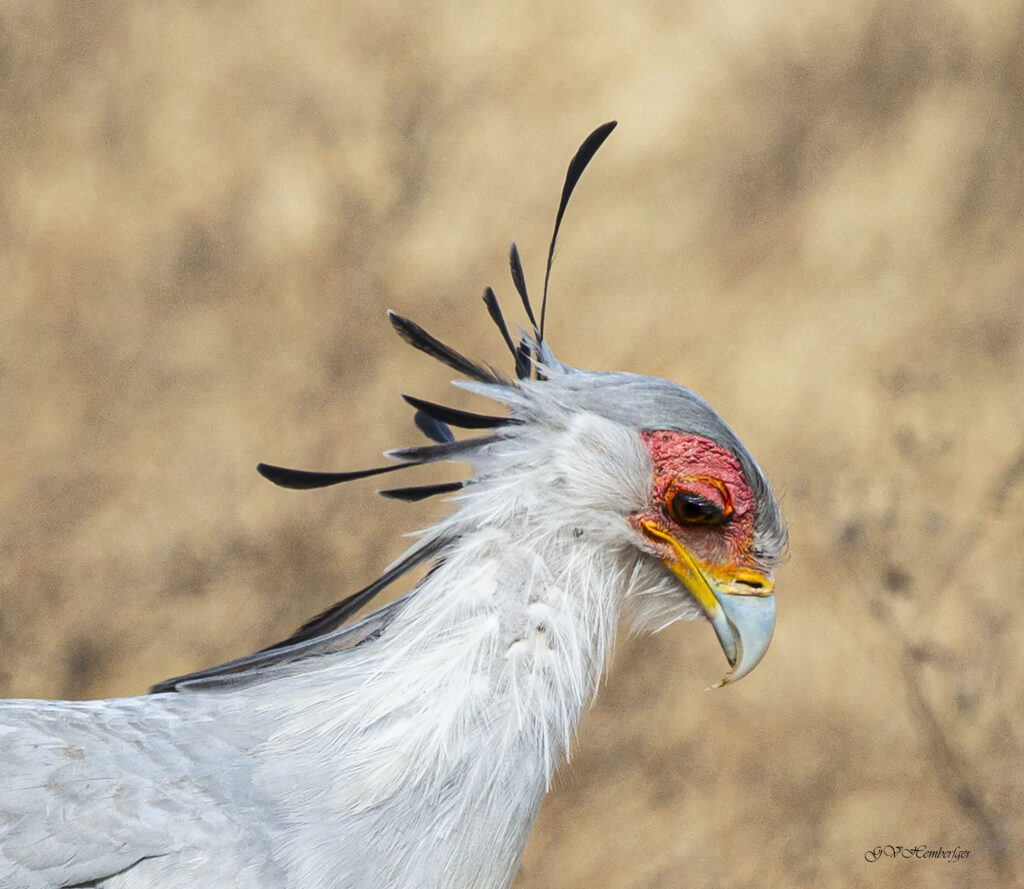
811,213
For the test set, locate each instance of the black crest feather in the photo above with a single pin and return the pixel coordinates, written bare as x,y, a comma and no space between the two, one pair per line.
306,480
454,417
523,366
494,309
433,428
576,167
515,264
417,337
432,453
421,492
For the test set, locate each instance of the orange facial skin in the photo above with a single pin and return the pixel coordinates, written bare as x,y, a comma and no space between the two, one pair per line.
691,466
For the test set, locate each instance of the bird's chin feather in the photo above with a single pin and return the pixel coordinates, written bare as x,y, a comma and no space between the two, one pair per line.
656,599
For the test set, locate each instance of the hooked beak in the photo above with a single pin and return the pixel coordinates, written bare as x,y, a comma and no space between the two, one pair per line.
740,607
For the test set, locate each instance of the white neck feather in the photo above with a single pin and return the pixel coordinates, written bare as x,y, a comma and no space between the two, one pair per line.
460,712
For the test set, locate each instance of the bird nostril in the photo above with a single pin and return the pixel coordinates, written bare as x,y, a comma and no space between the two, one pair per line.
757,584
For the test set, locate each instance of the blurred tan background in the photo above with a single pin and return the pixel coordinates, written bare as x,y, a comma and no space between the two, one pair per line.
810,213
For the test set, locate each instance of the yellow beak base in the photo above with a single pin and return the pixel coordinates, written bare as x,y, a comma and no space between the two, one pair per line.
741,608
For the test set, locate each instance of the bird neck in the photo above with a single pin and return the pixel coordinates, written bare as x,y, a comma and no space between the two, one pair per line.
508,637
454,718
503,643
487,669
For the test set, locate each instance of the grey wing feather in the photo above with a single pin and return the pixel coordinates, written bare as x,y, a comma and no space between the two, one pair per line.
90,790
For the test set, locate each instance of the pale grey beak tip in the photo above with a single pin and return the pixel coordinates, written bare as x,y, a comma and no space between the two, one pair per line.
745,633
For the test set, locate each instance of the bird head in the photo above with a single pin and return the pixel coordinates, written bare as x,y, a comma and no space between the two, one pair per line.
653,467
644,461
701,523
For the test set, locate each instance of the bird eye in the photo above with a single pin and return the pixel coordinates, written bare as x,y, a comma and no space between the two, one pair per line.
691,509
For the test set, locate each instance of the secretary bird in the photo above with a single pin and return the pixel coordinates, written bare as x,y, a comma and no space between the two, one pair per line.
412,749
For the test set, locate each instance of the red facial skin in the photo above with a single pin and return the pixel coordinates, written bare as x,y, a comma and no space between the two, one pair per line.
698,466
